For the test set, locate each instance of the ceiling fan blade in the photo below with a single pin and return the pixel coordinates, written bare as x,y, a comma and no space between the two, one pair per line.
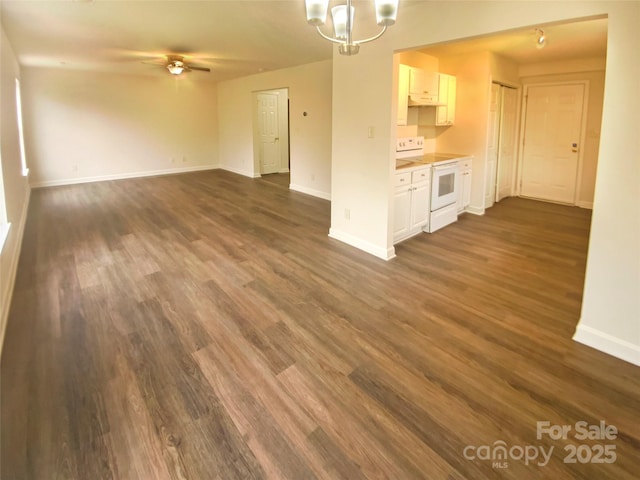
158,63
201,69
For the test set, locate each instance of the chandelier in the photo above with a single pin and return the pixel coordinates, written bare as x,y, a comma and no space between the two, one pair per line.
386,11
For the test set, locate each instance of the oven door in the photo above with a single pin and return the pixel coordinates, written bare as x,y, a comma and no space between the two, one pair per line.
444,186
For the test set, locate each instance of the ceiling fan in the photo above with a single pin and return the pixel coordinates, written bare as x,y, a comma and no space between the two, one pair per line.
176,65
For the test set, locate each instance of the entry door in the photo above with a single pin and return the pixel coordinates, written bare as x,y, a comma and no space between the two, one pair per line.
507,143
269,137
552,136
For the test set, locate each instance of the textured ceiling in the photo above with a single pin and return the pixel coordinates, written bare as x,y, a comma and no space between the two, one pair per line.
233,38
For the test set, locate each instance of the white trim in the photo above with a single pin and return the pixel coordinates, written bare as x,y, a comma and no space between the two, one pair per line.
310,191
608,344
583,204
384,254
240,172
121,176
475,210
4,233
13,269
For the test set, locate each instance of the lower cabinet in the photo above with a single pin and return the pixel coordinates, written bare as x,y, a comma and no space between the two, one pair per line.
411,203
464,187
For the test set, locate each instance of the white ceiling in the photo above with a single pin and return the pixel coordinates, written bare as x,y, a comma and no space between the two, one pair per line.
565,41
233,38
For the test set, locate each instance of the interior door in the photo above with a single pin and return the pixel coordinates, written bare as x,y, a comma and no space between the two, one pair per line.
506,160
552,136
493,145
269,150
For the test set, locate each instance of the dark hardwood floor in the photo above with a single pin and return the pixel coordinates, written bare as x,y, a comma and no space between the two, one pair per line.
204,326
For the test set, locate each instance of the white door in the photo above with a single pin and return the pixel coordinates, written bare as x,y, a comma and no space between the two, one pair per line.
507,143
552,136
493,145
269,138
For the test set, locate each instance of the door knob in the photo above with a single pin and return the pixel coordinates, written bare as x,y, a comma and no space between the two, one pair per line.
574,147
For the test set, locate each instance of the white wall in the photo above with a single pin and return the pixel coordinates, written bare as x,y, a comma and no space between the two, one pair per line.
611,302
309,89
16,187
83,126
469,134
611,308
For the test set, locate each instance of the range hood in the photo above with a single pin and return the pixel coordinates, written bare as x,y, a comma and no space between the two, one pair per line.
425,100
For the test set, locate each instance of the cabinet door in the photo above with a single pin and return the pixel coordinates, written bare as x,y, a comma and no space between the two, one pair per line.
451,99
466,188
422,82
460,188
420,199
403,94
401,212
446,115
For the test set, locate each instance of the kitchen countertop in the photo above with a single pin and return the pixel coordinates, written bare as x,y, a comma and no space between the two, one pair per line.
428,159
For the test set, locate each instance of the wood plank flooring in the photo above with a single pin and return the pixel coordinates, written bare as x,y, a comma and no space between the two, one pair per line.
204,326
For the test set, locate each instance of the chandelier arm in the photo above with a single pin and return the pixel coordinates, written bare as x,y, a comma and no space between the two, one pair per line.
371,39
327,37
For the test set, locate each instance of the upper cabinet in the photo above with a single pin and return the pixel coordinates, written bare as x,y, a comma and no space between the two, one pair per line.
446,114
403,94
422,88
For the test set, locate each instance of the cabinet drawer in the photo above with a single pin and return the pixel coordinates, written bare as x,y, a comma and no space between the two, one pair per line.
402,179
420,175
465,164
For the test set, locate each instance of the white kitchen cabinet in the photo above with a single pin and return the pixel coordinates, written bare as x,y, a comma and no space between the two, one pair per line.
403,94
423,85
446,115
411,202
464,186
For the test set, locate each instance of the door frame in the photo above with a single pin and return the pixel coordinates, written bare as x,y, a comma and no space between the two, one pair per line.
581,142
283,127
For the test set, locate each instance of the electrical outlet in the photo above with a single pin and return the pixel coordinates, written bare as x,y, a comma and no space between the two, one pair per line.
173,159
74,167
184,159
313,177
347,214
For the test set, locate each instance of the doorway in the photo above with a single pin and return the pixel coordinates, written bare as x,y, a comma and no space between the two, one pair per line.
553,137
501,151
271,131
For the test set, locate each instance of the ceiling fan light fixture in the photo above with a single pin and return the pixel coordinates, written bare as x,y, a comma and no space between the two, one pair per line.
175,68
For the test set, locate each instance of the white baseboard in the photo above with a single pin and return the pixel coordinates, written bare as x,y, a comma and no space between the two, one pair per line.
244,173
7,292
310,191
384,254
588,205
121,176
608,344
474,210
